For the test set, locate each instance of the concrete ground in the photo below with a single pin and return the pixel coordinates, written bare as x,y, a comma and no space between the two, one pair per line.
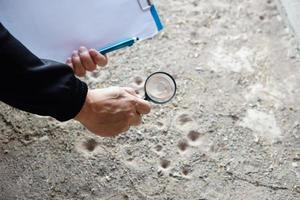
233,131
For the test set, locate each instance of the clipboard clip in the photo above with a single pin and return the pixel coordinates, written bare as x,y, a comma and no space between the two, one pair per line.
145,4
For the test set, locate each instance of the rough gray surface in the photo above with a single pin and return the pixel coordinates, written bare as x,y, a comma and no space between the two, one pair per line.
233,132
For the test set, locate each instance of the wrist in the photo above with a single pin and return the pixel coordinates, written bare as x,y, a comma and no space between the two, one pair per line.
85,108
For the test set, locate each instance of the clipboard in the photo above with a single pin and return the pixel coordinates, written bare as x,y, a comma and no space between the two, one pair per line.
46,27
145,5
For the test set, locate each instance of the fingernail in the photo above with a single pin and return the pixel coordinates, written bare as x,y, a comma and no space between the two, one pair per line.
82,50
92,51
76,57
74,53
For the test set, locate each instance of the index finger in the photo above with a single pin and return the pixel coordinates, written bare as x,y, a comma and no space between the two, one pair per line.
142,106
131,91
98,58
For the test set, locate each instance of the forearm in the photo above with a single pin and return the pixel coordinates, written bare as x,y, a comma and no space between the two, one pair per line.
38,86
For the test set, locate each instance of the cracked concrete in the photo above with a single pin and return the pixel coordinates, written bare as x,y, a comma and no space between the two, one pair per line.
232,132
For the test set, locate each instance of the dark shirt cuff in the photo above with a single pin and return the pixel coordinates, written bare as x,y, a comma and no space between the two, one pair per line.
79,96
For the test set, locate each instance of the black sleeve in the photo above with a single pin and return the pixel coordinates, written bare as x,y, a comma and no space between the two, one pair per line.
38,86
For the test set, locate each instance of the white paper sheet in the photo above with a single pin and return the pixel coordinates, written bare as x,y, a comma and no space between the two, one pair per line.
52,29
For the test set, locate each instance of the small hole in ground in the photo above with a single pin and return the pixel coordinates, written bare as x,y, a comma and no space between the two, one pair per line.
158,148
138,80
165,163
182,145
194,34
27,137
261,17
193,135
160,124
184,118
90,144
125,197
129,152
185,171
130,159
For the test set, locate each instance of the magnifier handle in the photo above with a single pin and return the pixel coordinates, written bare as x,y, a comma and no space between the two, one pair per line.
146,98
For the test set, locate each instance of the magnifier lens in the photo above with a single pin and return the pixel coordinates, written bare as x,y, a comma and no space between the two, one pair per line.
160,87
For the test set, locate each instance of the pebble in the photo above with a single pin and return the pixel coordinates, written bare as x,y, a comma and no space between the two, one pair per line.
199,69
297,188
107,178
256,139
44,138
26,142
295,165
93,190
297,157
5,141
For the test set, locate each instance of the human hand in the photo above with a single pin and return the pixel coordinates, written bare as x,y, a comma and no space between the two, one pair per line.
86,60
110,111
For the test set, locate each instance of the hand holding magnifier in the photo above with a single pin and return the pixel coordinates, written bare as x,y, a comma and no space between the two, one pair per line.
160,88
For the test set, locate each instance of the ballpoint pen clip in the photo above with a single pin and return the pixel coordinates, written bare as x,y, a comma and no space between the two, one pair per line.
118,45
145,4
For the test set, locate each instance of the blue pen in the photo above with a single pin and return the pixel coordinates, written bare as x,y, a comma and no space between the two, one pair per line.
118,45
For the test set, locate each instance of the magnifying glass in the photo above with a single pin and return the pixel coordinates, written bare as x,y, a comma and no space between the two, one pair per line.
160,88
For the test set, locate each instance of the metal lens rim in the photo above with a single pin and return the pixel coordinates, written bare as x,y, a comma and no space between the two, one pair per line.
174,93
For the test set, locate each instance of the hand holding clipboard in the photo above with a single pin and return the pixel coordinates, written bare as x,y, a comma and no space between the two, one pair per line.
53,29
